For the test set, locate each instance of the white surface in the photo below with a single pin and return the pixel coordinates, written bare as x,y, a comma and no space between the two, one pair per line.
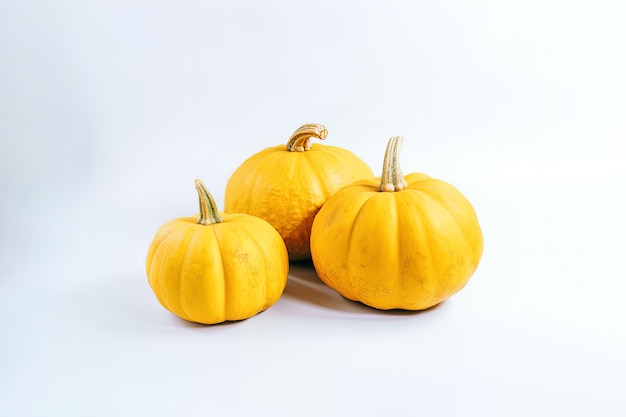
110,110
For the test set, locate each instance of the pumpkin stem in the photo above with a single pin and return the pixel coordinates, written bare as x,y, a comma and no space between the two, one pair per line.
392,178
300,141
209,214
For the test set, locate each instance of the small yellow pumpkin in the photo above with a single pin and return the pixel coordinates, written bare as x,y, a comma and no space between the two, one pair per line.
396,242
217,267
287,185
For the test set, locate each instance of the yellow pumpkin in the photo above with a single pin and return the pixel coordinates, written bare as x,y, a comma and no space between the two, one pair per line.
217,267
396,242
287,185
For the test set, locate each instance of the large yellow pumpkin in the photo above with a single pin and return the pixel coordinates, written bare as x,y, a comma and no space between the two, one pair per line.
287,185
217,267
397,242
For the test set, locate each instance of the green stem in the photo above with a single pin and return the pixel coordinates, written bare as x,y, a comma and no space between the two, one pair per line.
300,141
209,214
392,178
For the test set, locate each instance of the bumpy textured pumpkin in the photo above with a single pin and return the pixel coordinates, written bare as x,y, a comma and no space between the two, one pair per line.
397,242
287,185
217,267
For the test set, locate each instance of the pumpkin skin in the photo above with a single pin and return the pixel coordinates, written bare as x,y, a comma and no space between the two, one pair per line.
397,242
287,185
217,267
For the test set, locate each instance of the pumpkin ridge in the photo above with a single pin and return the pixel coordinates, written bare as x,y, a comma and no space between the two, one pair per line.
224,274
185,248
322,184
286,159
166,300
420,221
154,249
411,221
261,250
265,247
398,279
358,215
339,155
205,252
453,220
168,295
438,188
154,275
273,277
266,281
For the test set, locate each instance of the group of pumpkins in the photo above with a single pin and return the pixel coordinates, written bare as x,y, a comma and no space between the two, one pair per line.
394,242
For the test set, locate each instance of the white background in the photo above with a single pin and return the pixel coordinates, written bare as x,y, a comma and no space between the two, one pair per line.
110,109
